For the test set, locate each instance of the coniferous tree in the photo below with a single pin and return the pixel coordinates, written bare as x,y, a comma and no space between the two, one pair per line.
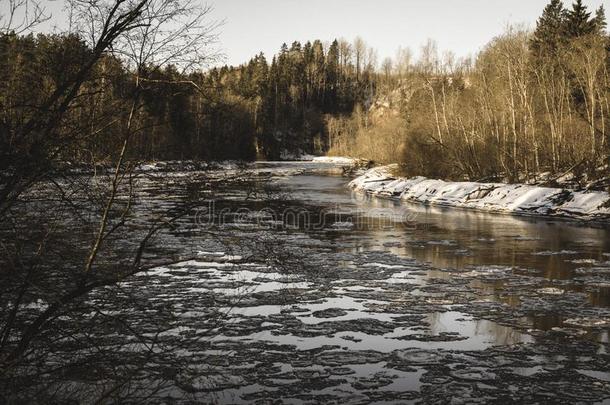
332,76
578,22
600,20
318,63
549,33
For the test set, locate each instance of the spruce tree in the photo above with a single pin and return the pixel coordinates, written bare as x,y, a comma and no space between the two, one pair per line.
332,76
261,74
318,63
579,21
600,21
549,33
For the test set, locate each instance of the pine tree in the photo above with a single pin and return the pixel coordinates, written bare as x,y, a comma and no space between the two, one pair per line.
549,33
579,21
295,47
318,63
600,20
332,76
261,73
283,49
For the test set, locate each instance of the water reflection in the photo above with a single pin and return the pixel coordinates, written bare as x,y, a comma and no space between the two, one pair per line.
451,238
455,238
481,332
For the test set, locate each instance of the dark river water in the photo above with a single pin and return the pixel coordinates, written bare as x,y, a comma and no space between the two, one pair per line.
456,238
374,301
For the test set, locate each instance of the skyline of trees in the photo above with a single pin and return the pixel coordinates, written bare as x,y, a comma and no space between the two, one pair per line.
528,102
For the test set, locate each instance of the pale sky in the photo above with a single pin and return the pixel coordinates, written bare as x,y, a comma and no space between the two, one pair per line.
461,26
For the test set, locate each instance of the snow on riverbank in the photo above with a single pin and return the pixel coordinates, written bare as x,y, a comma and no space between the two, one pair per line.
305,157
336,160
518,199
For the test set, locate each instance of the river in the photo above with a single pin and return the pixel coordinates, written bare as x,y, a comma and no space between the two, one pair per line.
298,290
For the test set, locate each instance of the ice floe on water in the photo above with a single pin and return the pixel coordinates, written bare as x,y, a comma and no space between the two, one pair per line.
343,225
374,324
371,329
519,199
559,253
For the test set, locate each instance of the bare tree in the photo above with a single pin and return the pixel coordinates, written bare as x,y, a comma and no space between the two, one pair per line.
150,34
168,32
403,62
359,48
21,16
345,55
387,68
587,63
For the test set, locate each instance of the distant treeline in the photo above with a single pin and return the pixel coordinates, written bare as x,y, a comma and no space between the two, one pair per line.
225,113
288,101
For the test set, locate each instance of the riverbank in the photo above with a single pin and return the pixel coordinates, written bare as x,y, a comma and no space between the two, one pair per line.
517,199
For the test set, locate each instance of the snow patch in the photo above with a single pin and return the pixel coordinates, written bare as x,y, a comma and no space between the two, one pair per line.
521,199
335,160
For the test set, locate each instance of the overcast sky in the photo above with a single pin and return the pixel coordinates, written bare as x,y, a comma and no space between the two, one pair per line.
462,26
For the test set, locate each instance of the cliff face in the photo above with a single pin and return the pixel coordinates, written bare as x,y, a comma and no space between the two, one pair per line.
391,102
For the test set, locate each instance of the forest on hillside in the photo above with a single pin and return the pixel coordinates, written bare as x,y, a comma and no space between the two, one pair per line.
224,113
528,102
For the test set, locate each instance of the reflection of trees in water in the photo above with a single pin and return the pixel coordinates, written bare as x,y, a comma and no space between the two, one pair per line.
600,297
545,322
499,334
489,239
436,326
453,238
492,332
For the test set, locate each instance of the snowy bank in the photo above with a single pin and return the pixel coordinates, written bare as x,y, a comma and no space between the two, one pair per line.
520,199
337,160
